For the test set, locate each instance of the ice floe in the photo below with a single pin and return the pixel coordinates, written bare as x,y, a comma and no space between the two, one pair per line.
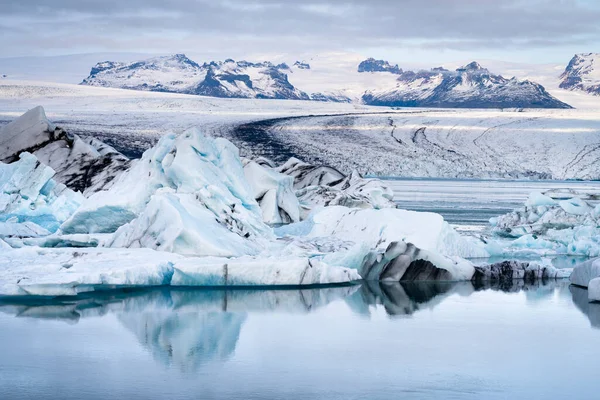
546,225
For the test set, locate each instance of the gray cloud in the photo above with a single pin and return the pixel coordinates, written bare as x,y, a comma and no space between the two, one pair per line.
40,26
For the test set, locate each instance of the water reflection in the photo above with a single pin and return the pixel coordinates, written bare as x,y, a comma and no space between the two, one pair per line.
189,328
591,310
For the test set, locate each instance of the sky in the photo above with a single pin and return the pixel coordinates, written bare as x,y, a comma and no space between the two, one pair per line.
531,31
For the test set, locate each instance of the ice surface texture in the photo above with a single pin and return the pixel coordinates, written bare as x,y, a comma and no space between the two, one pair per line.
32,203
83,165
550,226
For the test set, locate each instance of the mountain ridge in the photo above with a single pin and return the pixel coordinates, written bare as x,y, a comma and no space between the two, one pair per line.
470,86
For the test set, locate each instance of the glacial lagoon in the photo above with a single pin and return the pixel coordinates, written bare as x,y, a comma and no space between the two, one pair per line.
369,341
365,341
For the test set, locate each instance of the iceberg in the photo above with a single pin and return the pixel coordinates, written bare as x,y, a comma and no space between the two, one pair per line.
320,186
549,226
391,244
594,289
274,192
32,203
584,272
188,194
82,165
38,271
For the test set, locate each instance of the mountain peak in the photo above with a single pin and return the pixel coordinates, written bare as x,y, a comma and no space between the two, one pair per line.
582,73
473,66
373,65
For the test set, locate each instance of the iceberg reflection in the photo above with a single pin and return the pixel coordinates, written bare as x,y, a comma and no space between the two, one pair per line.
189,328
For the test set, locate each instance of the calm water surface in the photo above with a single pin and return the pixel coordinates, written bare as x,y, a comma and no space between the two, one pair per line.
435,341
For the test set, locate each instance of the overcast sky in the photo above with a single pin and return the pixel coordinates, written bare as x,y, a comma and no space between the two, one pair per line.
430,30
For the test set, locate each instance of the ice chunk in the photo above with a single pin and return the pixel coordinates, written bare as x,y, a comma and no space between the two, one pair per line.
83,165
324,186
179,223
536,199
198,184
583,273
21,229
29,194
309,175
379,228
594,290
575,206
274,192
213,271
392,244
68,271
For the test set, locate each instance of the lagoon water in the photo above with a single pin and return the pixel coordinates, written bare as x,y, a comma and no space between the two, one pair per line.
370,341
472,202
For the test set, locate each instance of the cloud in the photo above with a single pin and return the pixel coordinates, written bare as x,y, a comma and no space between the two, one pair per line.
40,26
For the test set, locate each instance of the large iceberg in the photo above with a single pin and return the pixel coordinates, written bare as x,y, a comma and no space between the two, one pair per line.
385,243
587,275
188,194
83,165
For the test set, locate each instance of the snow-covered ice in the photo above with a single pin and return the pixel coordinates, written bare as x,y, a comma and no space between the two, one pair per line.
594,289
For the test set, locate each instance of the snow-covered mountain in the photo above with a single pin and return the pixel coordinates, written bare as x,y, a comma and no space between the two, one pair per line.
386,85
582,73
471,86
179,74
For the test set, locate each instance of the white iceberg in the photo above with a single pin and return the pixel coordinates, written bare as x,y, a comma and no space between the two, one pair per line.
274,192
594,289
188,194
70,271
384,244
547,226
32,203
